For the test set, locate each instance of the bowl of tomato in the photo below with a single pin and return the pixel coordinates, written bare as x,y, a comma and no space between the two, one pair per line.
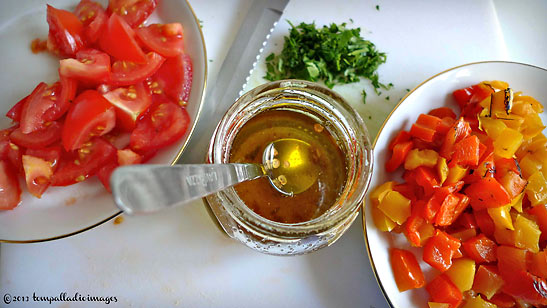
90,86
456,211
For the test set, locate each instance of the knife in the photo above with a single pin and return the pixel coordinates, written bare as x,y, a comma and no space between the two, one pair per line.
234,73
232,78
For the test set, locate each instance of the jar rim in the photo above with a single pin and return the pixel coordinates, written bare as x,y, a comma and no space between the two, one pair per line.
330,105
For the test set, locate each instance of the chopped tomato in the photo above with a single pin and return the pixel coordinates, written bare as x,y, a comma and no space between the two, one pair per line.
10,192
165,39
407,271
164,124
38,173
66,30
93,17
85,163
174,78
130,103
91,115
118,40
105,172
51,154
134,12
127,73
40,100
15,112
90,65
128,157
39,138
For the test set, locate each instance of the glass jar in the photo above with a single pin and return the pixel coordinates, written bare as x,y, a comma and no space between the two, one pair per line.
351,135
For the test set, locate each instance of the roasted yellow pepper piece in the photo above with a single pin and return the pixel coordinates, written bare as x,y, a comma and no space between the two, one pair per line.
508,143
381,221
442,169
526,234
379,192
462,273
455,174
395,206
478,302
501,216
417,157
536,190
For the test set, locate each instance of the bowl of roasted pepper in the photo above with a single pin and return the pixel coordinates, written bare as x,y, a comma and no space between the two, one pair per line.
456,215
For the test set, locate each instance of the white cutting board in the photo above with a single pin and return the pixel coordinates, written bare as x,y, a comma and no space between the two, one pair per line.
179,258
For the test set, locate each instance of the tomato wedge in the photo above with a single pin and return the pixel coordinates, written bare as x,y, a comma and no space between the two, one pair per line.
164,124
126,73
39,138
134,12
90,65
66,31
10,192
15,112
91,115
118,40
174,78
86,162
50,154
39,102
93,17
38,173
165,39
130,103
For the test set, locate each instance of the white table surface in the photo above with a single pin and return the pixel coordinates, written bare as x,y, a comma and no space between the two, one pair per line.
178,258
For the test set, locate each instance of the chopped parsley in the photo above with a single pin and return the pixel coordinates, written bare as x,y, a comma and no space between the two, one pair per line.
377,7
333,54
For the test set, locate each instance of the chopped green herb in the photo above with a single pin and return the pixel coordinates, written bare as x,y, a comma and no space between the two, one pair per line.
351,20
333,54
210,60
377,7
408,90
387,98
364,96
370,117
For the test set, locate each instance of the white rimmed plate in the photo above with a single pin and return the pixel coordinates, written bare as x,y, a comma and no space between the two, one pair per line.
433,93
64,211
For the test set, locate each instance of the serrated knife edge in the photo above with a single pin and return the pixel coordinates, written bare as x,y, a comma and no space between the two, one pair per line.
234,72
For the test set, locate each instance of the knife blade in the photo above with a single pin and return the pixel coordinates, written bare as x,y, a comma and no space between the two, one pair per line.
234,73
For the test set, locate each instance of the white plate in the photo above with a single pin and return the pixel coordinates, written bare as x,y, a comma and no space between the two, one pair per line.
434,92
64,211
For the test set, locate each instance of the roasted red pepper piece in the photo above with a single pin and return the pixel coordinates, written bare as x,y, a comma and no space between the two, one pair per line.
407,271
459,130
487,193
480,248
445,215
402,136
466,152
443,290
527,287
423,133
442,112
440,249
540,213
400,151
485,222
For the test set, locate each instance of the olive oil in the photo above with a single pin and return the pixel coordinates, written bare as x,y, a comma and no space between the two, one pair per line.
260,196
